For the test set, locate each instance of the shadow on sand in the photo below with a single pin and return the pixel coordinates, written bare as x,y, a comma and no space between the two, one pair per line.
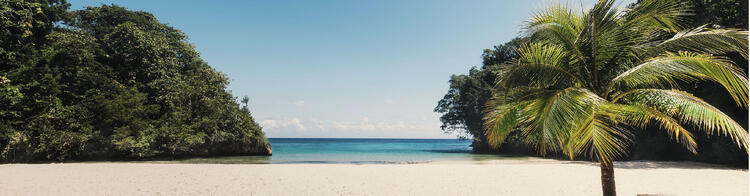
660,165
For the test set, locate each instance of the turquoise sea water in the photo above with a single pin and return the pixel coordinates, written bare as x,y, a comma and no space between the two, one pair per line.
349,150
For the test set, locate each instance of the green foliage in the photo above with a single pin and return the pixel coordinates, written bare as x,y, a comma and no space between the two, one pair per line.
714,46
106,82
725,13
463,104
23,27
587,80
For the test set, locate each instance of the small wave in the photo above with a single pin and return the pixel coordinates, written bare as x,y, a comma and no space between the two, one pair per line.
449,151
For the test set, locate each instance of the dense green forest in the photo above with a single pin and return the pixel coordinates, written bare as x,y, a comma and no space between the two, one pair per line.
107,82
463,105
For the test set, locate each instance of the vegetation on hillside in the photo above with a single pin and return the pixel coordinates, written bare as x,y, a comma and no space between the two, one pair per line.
107,82
463,105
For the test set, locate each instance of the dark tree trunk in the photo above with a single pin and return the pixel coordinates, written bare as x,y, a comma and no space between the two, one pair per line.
608,179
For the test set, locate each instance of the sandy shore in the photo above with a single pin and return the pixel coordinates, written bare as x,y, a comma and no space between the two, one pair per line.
526,177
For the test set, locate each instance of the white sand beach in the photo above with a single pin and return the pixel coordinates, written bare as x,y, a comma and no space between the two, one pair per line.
507,177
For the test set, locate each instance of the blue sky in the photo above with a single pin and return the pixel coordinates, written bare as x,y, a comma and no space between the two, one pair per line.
341,68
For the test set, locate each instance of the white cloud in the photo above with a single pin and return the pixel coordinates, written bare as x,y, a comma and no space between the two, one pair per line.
388,101
281,123
365,125
296,123
269,124
317,123
298,103
277,126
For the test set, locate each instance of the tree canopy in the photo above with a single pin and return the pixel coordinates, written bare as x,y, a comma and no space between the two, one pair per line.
462,106
107,82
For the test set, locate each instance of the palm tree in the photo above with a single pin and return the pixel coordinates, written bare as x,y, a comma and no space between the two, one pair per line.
586,80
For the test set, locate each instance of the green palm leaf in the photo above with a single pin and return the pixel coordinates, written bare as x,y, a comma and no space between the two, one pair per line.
702,40
540,65
557,24
551,119
640,116
600,138
666,70
690,109
656,15
500,121
586,79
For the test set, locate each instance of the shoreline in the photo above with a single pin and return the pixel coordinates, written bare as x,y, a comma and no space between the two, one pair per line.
505,160
495,177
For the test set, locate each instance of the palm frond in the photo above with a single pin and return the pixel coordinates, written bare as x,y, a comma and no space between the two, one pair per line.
518,94
657,15
639,116
665,71
540,65
579,85
602,16
501,120
559,15
557,24
702,40
551,119
600,137
690,109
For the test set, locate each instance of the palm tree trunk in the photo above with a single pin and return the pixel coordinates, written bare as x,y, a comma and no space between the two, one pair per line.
608,179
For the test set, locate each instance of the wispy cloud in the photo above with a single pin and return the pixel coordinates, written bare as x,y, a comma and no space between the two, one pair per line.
278,124
298,103
283,123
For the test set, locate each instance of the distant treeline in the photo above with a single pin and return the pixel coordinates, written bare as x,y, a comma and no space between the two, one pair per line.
464,103
110,83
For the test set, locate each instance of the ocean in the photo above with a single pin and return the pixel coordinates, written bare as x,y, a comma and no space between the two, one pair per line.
360,151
